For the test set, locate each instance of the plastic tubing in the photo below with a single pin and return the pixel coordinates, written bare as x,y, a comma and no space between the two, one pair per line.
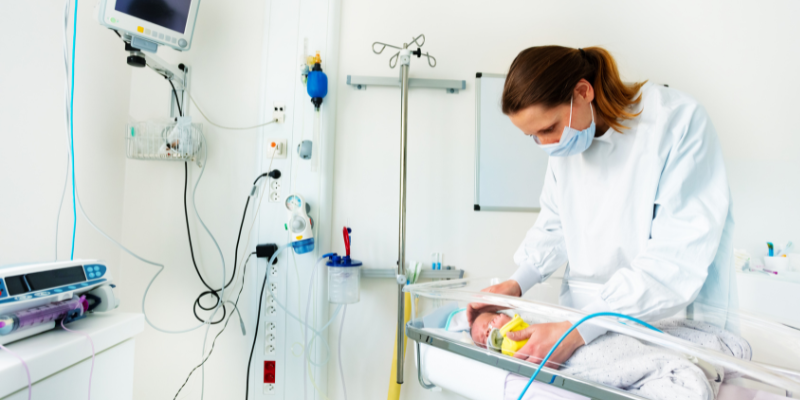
341,370
572,328
91,343
159,265
305,324
289,313
24,364
66,124
72,129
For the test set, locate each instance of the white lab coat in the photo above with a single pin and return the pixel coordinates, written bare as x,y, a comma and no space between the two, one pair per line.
645,214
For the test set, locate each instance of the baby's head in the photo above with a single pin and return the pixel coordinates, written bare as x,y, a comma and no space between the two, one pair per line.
484,323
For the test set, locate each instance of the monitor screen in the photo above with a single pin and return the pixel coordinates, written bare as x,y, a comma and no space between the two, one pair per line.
16,285
171,14
54,278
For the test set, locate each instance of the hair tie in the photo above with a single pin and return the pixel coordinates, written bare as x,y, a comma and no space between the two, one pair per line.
583,53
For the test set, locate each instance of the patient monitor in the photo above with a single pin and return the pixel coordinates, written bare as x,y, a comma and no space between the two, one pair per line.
150,23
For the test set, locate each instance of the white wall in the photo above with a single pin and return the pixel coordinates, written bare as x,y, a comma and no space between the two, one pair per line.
33,155
736,57
226,62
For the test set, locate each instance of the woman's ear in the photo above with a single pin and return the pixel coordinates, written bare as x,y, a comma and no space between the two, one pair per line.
584,90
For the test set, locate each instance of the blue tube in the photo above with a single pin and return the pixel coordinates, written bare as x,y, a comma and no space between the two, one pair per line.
72,130
586,318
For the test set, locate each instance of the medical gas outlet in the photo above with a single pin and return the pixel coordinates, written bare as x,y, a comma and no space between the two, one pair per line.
276,148
299,225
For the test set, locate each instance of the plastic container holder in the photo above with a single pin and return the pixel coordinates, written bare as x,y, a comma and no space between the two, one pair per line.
778,264
344,278
167,141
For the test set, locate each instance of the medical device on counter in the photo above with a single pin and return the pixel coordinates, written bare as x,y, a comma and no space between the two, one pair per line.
148,25
34,296
299,226
344,275
143,28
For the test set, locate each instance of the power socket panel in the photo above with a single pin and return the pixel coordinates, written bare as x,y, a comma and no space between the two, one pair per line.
275,191
269,389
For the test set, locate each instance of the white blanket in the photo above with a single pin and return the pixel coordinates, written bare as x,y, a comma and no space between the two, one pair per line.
650,371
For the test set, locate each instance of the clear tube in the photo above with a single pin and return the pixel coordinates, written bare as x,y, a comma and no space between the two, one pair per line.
232,128
289,313
159,265
91,343
341,369
24,364
66,106
317,148
305,325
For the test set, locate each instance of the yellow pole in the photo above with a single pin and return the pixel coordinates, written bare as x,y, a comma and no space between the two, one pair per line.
394,388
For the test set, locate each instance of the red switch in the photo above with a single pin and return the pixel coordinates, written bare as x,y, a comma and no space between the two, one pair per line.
269,371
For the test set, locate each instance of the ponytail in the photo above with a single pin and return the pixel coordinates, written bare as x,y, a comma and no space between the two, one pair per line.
547,75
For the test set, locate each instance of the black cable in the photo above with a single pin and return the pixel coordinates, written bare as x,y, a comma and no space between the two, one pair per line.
210,290
175,93
255,335
275,174
235,305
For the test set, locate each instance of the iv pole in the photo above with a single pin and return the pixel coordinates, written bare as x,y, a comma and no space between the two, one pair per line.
403,57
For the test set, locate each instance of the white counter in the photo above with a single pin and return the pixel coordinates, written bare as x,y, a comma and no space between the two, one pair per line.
59,361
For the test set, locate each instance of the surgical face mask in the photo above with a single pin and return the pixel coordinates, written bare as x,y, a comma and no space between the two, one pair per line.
572,140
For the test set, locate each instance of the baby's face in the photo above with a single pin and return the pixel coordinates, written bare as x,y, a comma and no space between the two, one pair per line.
484,323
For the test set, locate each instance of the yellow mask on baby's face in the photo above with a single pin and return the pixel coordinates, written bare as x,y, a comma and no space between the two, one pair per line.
510,347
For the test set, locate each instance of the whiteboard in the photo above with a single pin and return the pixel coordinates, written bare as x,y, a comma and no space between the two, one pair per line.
509,166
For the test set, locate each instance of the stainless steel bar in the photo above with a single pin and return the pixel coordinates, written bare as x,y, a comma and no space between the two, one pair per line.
419,371
549,376
391,273
353,80
402,239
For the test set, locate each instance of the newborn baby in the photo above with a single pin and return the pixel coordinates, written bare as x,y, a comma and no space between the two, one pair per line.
484,323
491,330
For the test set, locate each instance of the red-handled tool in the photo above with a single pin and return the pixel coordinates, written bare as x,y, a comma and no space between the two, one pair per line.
346,232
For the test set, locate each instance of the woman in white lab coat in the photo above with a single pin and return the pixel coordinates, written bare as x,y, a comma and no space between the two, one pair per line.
635,199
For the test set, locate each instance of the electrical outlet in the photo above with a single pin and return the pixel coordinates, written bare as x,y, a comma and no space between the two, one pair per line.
275,191
269,372
273,287
272,311
276,148
270,301
269,388
270,337
269,349
278,112
273,271
271,327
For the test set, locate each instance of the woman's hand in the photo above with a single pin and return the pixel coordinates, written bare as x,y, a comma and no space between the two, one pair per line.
542,337
509,287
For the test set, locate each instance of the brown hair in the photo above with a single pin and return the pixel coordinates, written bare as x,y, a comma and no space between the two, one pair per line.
548,74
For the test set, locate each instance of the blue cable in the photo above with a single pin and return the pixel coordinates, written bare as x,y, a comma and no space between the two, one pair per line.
72,130
586,318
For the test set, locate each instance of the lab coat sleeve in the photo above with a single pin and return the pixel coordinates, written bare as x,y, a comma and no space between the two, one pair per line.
689,215
543,250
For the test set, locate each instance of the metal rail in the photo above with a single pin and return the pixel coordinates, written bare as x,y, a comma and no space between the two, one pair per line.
520,367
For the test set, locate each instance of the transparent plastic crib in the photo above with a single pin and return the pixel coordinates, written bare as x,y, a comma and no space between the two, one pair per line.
454,362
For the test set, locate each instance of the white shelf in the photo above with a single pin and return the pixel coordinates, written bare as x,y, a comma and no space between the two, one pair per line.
52,351
425,273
